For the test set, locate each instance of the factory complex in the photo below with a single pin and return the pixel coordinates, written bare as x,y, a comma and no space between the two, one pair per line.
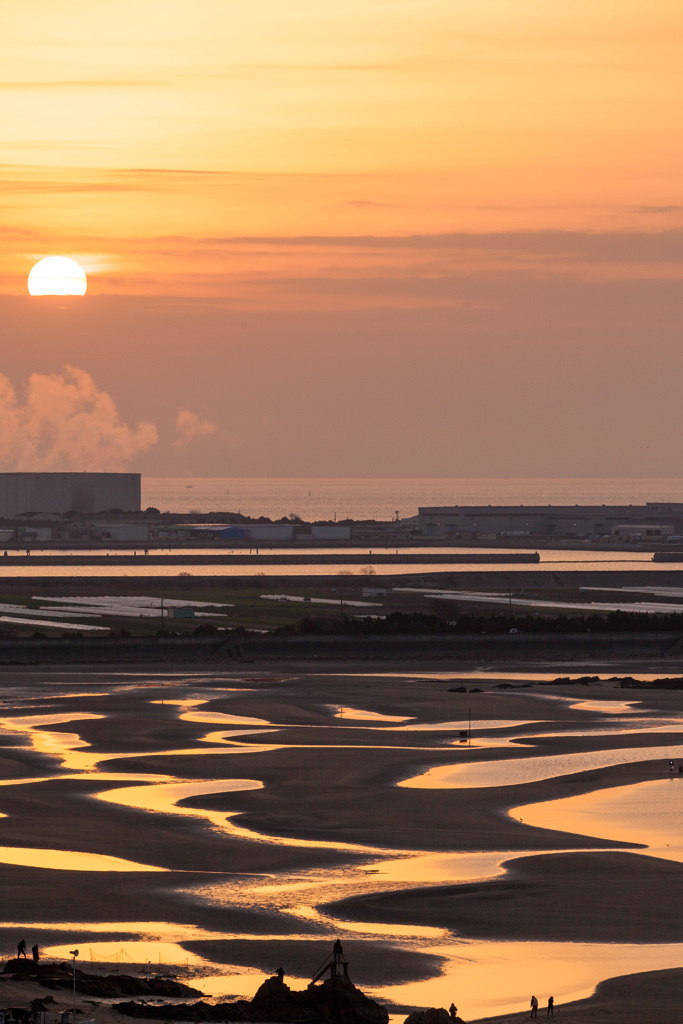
28,494
654,521
105,508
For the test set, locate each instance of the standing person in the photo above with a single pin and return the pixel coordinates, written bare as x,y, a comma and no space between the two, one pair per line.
551,1006
534,1007
34,951
21,949
453,1011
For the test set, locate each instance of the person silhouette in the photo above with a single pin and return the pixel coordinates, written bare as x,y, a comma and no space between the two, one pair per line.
21,949
534,1007
453,1011
551,1006
35,953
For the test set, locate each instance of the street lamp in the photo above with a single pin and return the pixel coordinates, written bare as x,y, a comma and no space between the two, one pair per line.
74,954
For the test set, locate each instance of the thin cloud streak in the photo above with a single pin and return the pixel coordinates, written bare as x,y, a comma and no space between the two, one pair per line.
614,246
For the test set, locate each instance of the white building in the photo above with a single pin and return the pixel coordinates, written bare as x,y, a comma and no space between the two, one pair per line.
33,493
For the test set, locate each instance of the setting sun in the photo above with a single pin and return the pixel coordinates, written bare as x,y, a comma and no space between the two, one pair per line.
57,275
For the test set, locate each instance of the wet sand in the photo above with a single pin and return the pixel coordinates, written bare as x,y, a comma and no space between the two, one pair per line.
329,797
630,999
563,897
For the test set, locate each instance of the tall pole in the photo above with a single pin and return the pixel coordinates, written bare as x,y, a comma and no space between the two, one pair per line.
74,954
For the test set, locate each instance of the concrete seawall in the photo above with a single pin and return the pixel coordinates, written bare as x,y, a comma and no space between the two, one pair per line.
492,579
270,558
233,651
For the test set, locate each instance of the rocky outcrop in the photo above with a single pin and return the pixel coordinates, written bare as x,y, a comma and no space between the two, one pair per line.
195,1013
335,1001
114,985
110,986
432,1016
22,967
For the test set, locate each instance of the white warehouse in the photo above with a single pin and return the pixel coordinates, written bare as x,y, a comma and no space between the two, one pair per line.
33,493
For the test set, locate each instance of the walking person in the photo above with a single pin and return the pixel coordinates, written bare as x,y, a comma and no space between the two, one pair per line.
534,1007
551,1006
21,949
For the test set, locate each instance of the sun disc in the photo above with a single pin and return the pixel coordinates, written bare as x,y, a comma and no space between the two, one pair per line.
57,275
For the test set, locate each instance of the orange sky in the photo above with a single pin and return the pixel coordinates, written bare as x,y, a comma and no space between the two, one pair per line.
312,158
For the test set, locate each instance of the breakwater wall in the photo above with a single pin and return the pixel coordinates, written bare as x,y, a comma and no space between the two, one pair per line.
489,579
271,558
234,651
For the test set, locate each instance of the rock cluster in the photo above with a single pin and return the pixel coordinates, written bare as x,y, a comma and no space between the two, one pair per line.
335,1001
57,976
432,1016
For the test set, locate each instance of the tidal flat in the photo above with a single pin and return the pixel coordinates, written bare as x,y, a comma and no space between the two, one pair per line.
226,823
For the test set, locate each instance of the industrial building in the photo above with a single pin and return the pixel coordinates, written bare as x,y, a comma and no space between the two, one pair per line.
29,494
586,522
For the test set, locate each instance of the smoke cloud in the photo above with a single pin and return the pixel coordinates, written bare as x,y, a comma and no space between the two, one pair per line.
65,423
189,426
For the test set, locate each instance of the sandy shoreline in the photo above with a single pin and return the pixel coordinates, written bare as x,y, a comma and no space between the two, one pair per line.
629,999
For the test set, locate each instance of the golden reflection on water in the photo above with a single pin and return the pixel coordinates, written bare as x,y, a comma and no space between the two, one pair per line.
481,977
219,718
487,978
648,813
27,723
68,860
209,717
163,798
152,956
439,868
87,762
514,771
164,953
41,740
607,707
479,724
366,716
133,951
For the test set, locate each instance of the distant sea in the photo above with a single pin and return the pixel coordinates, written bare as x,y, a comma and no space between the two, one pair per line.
381,498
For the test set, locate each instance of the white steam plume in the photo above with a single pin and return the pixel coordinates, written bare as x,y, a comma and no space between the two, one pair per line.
189,426
66,423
